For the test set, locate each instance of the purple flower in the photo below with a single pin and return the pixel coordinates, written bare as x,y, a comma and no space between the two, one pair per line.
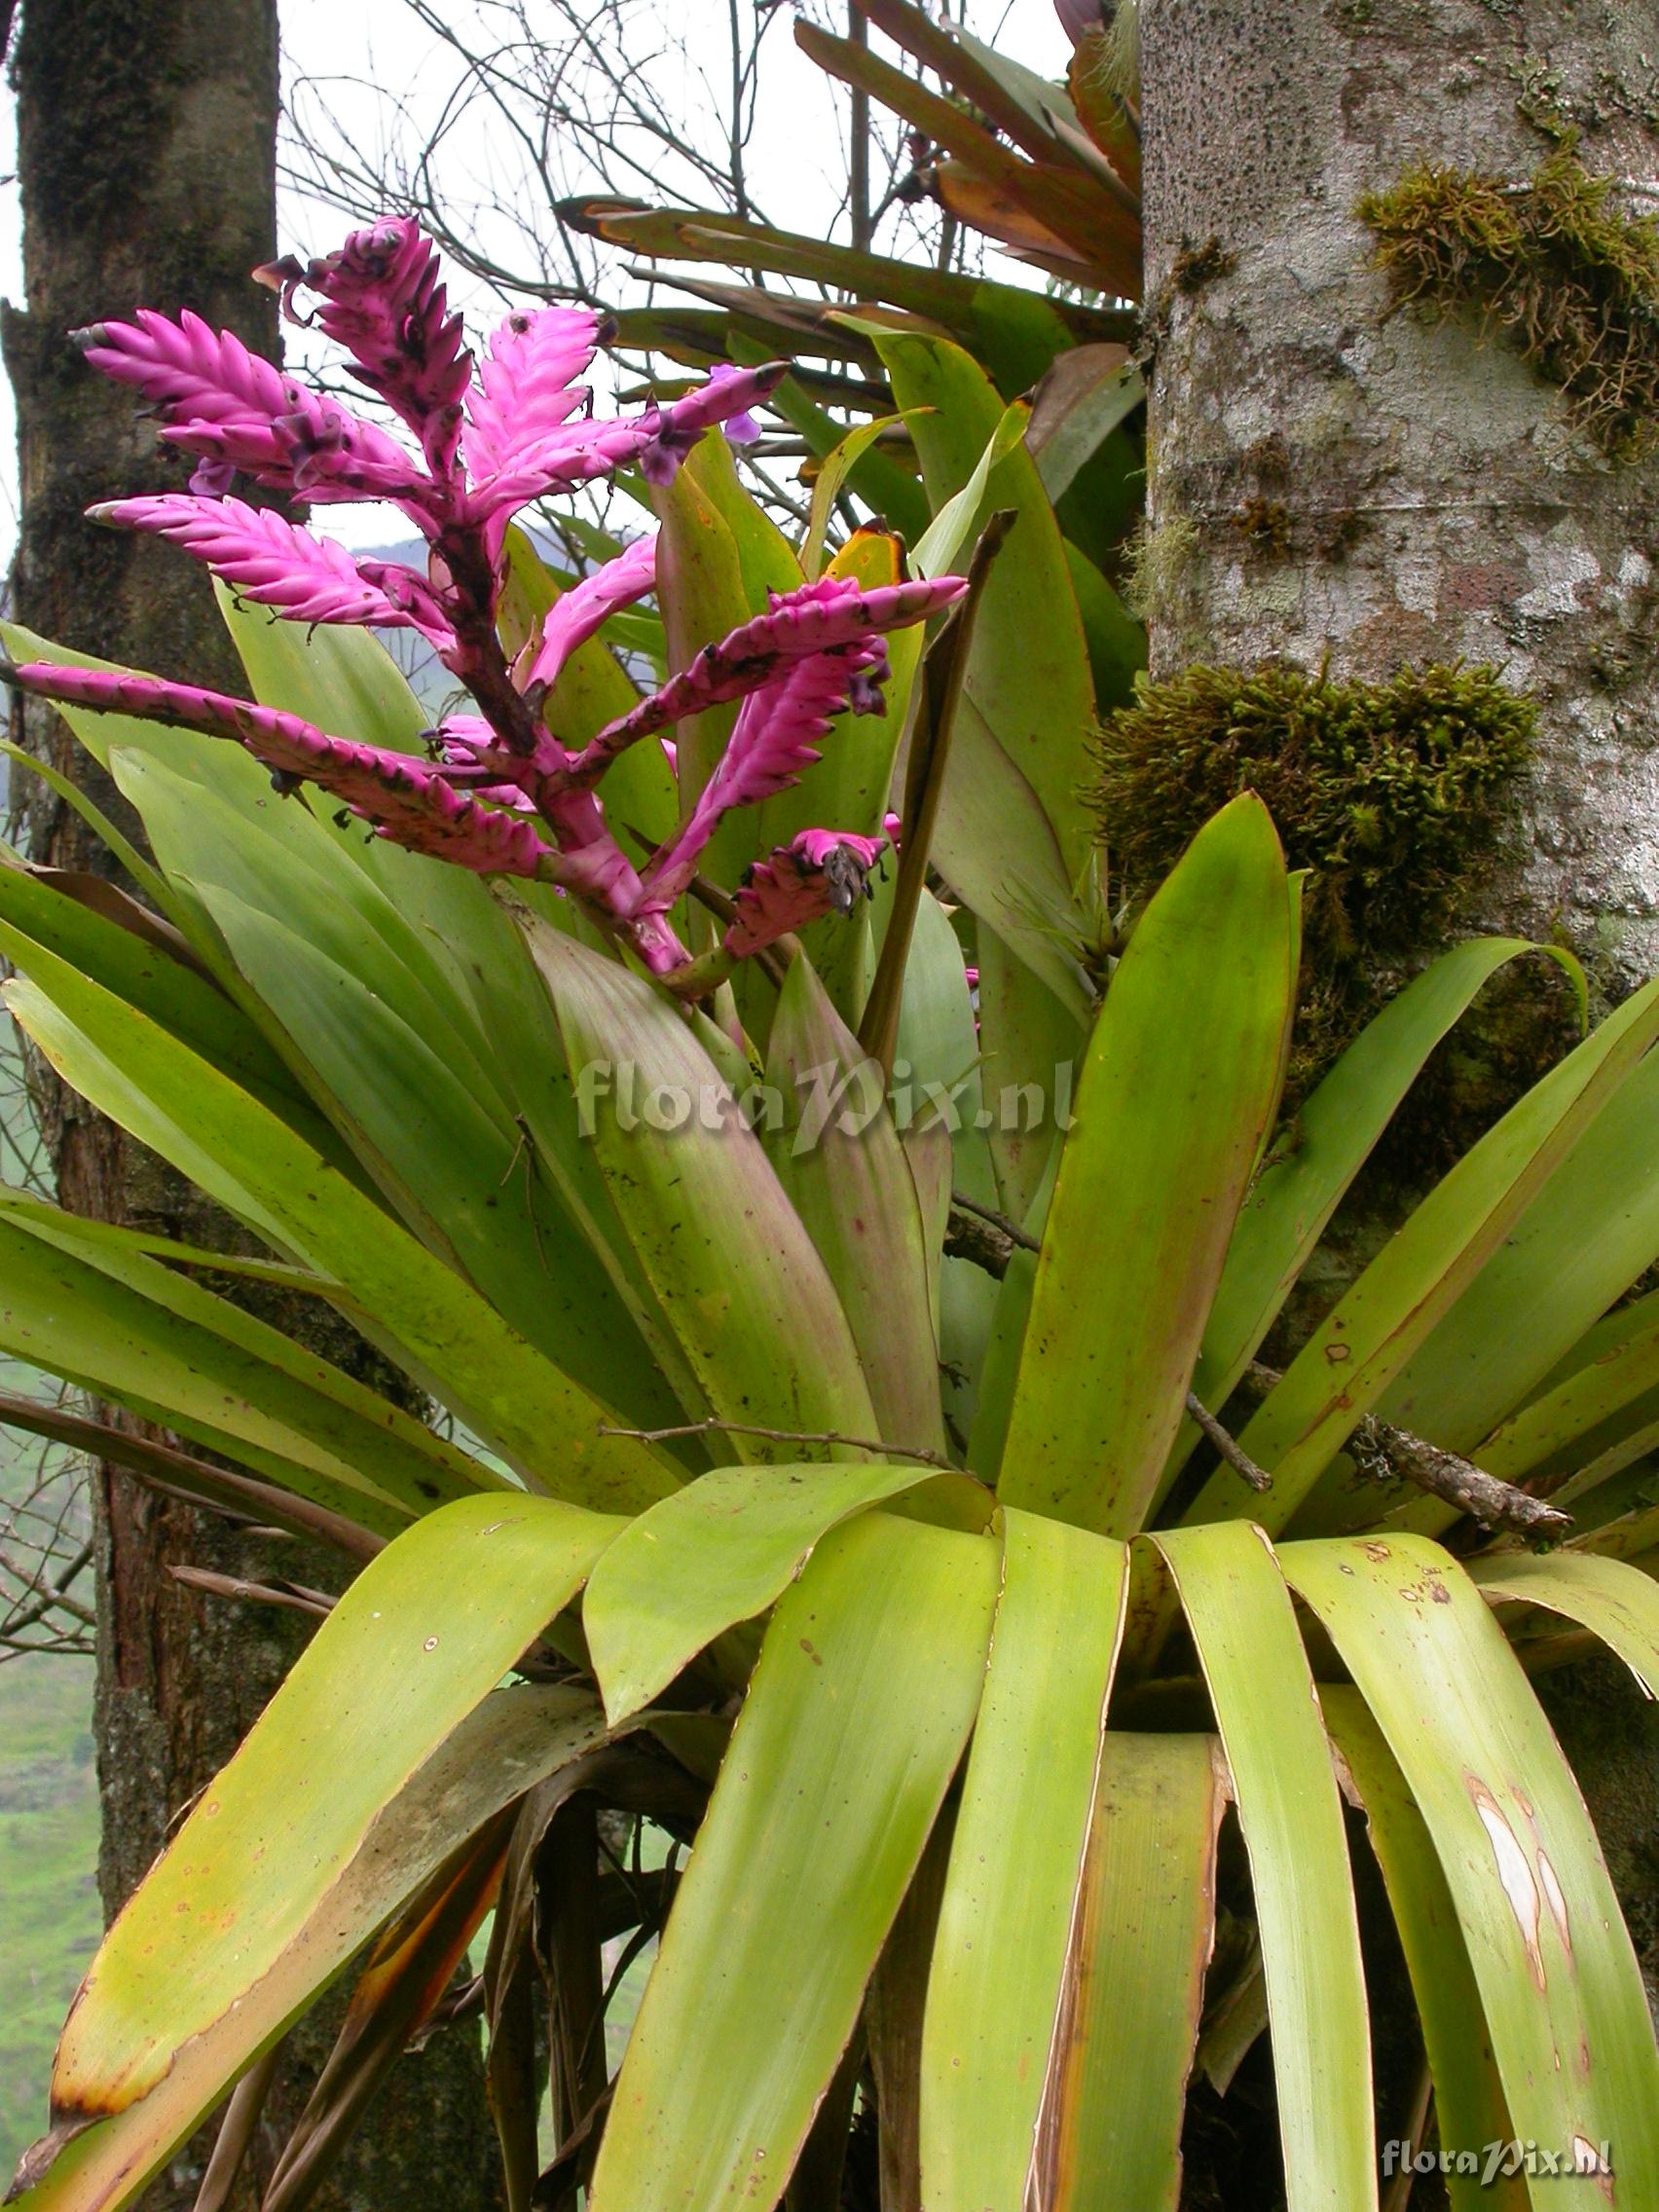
278,563
819,873
500,794
383,302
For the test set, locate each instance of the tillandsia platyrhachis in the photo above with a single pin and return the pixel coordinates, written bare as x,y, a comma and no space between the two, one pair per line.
501,793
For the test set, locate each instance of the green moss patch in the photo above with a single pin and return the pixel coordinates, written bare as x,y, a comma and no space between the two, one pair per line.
1391,794
1570,281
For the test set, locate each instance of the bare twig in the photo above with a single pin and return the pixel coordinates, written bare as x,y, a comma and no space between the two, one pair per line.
1230,1448
712,1426
165,1468
1384,1453
294,1597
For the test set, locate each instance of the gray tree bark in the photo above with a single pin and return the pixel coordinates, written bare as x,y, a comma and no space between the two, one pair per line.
1437,503
146,154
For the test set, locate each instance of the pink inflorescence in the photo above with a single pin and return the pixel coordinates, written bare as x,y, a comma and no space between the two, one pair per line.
501,795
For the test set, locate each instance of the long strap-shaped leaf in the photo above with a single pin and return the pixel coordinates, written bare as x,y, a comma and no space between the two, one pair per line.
499,1751
1145,1928
1613,1600
451,1158
852,1189
1003,1952
1176,1097
1532,1302
1294,1197
1599,1411
1558,1978
153,1342
718,1552
732,1266
1356,1352
1468,2098
242,1155
864,1692
1266,1707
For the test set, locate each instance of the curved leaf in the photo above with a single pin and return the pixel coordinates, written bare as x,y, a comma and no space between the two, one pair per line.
1468,2098
1170,1117
421,1635
861,1703
1613,1600
1005,1951
503,1749
1146,1927
1558,1978
1267,1712
435,1325
734,1271
718,1552
1355,1353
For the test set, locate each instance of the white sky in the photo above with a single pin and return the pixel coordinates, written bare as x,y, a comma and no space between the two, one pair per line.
794,155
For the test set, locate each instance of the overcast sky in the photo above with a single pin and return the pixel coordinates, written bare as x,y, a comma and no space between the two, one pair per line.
382,74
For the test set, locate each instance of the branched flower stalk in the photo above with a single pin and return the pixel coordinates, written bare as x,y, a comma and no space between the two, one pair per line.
501,793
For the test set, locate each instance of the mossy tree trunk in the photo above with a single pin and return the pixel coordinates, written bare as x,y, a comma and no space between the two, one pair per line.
1340,481
146,153
1337,477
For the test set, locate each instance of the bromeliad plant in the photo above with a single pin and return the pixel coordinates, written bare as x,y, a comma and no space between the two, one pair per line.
893,1558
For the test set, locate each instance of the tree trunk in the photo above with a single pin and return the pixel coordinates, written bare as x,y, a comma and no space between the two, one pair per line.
146,155
1429,495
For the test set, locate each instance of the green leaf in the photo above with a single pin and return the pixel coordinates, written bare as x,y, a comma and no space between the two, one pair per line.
1267,1712
1169,1119
1031,1045
766,556
1146,1924
1559,1980
81,1305
832,473
1002,1952
731,1265
1088,393
854,1192
1468,2097
996,848
502,1747
936,1077
338,677
718,1552
437,1327
1029,674
178,997
1593,1424
1541,1289
1614,1601
455,1166
1301,1186
421,1635
862,1701
1354,1356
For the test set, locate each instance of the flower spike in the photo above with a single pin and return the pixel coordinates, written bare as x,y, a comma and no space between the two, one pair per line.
831,616
818,873
236,411
401,798
383,302
498,792
278,563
